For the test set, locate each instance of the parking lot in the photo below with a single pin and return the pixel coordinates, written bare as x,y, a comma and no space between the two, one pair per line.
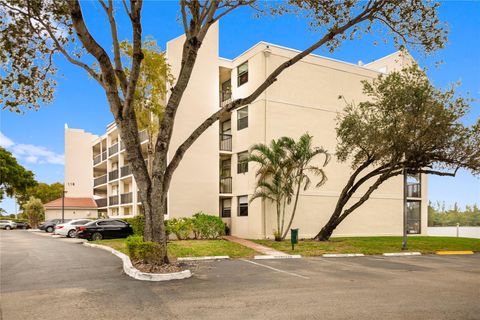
49,278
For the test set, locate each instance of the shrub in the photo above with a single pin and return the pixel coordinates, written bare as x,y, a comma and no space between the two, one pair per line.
181,227
144,251
207,226
137,224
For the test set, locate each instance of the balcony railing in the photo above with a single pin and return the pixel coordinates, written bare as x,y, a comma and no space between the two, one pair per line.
126,198
113,175
97,159
226,185
113,149
413,190
101,202
125,170
122,145
113,200
104,155
225,142
225,98
100,180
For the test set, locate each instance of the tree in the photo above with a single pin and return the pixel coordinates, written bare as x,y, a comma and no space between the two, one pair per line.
406,125
43,191
14,178
283,171
34,211
33,31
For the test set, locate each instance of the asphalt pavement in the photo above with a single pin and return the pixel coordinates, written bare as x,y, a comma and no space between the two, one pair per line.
50,278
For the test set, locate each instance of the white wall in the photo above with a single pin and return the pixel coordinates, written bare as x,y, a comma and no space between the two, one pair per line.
464,232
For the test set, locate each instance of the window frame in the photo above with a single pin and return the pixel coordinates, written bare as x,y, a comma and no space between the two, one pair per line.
242,166
419,220
239,206
240,74
222,215
240,122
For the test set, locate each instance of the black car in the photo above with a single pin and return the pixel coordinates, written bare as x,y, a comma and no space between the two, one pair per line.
104,229
49,225
23,225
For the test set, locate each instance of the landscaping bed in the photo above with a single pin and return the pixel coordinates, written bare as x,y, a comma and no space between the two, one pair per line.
373,245
191,248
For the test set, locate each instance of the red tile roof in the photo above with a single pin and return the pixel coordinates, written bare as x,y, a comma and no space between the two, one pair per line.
71,202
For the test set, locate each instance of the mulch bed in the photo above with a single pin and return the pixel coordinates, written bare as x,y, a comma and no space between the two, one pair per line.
164,268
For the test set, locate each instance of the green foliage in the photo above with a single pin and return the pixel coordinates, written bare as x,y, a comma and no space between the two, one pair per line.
180,227
283,171
14,179
144,251
43,191
439,216
34,211
137,223
207,226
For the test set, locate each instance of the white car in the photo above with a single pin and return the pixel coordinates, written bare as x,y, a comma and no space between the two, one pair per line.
7,224
67,229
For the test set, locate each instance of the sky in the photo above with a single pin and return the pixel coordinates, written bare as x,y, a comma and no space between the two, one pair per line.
36,137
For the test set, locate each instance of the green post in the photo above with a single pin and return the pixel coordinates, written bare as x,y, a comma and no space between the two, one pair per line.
293,237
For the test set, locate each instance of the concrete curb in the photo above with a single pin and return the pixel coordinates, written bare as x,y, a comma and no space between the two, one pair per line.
399,254
130,270
342,255
267,257
203,258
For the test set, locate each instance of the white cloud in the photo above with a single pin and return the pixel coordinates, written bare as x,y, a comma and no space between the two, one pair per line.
31,153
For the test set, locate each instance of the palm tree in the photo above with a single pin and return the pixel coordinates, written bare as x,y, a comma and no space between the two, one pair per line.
284,168
301,154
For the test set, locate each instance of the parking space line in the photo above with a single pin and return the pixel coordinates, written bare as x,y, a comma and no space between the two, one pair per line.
275,269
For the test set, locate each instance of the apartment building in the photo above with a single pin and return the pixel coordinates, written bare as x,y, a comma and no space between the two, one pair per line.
215,176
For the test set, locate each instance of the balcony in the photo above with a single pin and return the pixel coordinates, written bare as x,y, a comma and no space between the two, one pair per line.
104,155
413,190
225,184
113,175
101,202
97,159
100,180
225,142
113,149
125,170
126,198
225,98
113,200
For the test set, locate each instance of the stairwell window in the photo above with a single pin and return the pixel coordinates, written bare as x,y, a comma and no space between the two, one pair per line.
242,206
242,163
242,74
226,208
242,118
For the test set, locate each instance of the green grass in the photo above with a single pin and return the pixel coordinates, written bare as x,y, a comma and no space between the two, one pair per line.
192,248
374,245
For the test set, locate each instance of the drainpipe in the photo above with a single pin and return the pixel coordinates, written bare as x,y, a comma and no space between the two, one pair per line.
267,52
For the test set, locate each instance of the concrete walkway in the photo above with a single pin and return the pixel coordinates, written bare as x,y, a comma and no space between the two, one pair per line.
255,246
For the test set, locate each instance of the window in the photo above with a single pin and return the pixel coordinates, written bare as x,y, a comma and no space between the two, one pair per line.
242,165
413,186
227,127
242,73
243,206
242,118
226,168
413,216
226,90
226,208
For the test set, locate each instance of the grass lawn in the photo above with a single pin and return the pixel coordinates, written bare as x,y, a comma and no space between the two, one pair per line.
373,245
192,248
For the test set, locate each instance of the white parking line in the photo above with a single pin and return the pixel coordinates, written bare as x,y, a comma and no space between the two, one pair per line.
275,269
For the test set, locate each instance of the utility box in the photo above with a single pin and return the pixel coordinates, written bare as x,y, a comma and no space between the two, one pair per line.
293,237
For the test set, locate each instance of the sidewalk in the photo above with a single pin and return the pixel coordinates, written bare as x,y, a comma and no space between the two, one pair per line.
257,247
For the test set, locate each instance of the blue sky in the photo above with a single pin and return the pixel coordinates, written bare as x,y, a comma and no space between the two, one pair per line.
37,137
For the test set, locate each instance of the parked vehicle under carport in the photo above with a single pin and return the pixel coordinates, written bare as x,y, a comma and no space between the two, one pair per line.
104,229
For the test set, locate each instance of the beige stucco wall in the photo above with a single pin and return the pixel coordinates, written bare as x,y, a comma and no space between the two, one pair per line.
78,163
305,99
70,213
195,183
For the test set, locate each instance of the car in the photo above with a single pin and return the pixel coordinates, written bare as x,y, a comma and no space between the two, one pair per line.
23,225
49,225
68,229
7,224
104,229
